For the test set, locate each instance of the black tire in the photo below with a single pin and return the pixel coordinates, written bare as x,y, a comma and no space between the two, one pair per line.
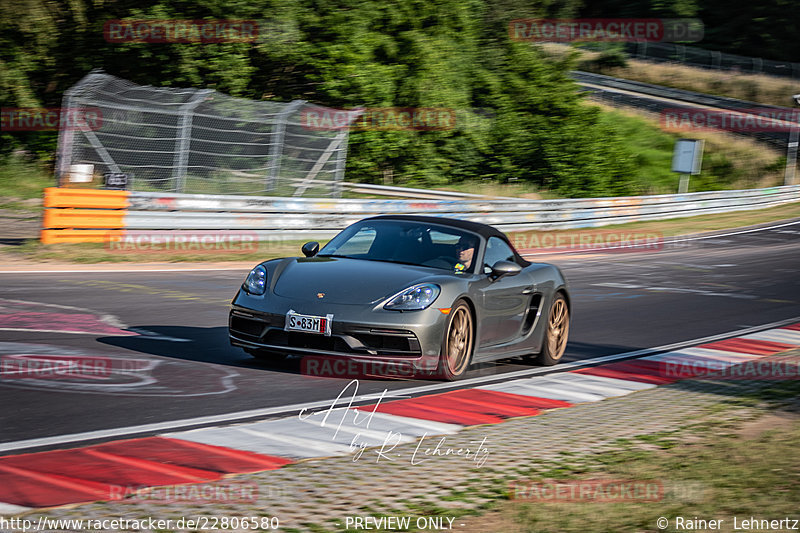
556,332
458,343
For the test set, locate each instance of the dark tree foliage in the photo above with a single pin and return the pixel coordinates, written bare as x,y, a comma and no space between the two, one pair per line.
767,29
770,30
456,54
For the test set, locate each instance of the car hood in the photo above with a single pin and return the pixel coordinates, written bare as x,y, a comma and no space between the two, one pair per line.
345,281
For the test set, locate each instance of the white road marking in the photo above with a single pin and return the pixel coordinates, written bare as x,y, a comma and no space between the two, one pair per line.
259,442
676,290
9,509
785,336
417,426
703,354
602,384
103,333
106,318
256,413
675,240
537,389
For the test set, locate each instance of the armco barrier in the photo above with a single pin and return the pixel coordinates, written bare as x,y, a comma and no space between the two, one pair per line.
82,215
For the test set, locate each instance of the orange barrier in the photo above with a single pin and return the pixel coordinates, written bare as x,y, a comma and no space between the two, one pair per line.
89,198
84,218
58,236
83,215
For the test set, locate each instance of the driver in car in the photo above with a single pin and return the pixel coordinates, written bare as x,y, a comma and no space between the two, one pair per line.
465,250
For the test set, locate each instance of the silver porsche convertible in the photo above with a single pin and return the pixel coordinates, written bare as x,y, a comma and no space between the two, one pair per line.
434,293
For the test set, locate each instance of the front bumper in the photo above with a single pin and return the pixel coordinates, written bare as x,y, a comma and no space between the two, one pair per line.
257,323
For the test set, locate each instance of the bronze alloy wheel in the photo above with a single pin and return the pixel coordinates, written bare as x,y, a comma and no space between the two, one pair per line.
457,349
555,340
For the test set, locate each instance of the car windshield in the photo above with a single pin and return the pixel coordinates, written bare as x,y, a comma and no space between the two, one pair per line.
406,242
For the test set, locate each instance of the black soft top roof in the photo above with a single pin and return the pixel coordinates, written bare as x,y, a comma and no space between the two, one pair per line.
483,230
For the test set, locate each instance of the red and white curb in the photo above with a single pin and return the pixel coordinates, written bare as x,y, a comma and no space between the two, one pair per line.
99,472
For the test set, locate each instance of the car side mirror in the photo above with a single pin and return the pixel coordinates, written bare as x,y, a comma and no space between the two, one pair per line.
504,268
310,249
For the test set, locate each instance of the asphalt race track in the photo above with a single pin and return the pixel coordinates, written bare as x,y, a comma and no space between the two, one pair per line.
167,331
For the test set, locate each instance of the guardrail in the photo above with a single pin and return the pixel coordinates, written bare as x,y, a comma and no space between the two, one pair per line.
657,98
84,215
401,192
708,100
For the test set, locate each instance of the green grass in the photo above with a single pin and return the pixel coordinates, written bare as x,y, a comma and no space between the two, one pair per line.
727,163
652,148
22,180
719,477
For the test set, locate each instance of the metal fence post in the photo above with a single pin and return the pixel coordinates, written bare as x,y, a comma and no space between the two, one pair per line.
716,59
66,140
338,176
184,138
791,155
66,135
276,147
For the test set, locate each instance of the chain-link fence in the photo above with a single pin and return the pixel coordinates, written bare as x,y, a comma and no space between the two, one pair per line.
199,141
700,57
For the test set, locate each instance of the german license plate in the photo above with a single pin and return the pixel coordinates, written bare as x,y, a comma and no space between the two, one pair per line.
320,325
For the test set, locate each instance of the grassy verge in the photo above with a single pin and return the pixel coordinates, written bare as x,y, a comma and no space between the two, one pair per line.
21,184
716,470
729,162
87,253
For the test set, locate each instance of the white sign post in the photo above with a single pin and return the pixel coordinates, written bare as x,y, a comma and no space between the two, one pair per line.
686,160
791,155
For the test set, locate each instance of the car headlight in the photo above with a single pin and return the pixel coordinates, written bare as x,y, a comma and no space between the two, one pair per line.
256,282
414,298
